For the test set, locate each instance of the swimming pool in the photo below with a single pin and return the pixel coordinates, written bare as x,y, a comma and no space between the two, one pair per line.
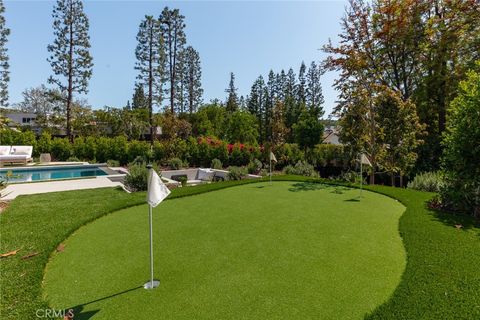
18,175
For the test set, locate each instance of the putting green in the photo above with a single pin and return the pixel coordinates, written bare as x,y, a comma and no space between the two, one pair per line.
283,251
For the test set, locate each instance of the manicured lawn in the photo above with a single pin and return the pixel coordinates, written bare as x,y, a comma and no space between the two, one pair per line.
288,250
441,279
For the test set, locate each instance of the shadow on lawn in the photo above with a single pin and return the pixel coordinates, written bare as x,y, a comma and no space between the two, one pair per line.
455,220
85,315
312,186
308,186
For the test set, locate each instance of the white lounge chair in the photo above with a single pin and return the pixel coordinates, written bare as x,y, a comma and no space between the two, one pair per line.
15,154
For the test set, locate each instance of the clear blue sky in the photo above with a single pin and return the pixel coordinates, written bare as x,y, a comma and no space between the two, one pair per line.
248,38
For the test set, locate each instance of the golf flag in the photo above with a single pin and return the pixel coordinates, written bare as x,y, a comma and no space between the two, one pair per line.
272,157
157,190
364,160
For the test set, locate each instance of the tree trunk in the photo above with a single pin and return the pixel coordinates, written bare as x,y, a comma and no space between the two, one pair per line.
392,181
70,78
401,180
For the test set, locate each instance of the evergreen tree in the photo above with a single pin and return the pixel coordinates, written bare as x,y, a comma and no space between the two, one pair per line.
291,106
139,100
232,99
314,95
173,34
180,85
301,86
193,79
270,103
150,64
290,84
281,82
4,73
256,104
70,57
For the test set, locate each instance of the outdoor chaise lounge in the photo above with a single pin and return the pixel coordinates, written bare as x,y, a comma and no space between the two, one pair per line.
15,154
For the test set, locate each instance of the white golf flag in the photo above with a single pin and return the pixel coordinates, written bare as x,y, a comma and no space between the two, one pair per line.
157,190
364,160
272,157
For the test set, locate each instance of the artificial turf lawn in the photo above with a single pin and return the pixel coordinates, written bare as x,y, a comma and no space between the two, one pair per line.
441,279
289,250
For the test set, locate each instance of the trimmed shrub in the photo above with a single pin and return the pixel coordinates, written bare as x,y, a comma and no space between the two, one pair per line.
158,151
137,177
427,181
139,148
216,164
44,143
302,168
61,149
113,163
73,159
236,173
254,166
119,149
175,163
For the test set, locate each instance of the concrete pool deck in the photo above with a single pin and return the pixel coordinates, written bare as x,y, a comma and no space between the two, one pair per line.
14,190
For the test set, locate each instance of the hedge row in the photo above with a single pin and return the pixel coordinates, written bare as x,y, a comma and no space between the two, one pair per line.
194,151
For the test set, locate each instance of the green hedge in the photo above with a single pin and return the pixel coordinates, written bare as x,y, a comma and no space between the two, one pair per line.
194,151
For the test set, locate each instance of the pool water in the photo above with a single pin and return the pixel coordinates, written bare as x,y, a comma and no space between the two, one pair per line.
50,173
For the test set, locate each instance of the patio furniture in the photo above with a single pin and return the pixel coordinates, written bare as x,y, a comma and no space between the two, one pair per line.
15,154
45,158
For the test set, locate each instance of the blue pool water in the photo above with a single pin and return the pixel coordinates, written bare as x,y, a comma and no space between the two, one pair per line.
50,173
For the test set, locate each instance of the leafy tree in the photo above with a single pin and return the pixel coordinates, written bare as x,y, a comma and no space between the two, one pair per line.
39,100
420,49
313,92
172,29
139,100
70,57
209,120
461,156
192,78
241,127
451,46
308,130
232,98
401,130
150,64
4,73
174,127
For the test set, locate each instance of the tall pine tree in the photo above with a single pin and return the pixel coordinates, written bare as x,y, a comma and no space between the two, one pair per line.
301,85
4,73
70,57
232,98
193,79
256,105
270,103
313,93
150,63
173,33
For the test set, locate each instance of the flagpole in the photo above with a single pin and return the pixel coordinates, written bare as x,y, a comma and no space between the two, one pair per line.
151,245
152,284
